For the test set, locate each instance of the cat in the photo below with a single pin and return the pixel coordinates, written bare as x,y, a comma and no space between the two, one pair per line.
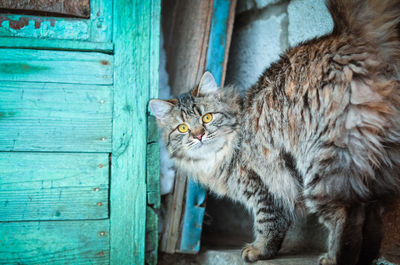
318,132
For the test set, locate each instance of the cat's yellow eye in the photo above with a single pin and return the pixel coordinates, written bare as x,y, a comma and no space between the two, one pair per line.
183,128
207,118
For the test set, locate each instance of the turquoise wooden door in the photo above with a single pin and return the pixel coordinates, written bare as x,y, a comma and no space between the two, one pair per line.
73,133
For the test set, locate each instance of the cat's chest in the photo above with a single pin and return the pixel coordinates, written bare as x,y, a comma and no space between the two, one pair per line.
208,171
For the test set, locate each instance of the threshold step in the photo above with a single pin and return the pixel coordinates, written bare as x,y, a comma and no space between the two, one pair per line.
232,257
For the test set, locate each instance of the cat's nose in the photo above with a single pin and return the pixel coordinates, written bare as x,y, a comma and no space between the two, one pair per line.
199,136
198,133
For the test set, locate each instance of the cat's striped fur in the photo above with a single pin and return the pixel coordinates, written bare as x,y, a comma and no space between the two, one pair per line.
319,131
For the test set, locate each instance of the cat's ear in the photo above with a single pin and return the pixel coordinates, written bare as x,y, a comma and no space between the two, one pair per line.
207,86
160,108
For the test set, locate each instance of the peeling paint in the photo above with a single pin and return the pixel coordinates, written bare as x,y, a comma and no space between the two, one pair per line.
23,21
51,27
15,24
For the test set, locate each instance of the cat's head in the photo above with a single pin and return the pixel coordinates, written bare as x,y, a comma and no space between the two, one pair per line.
200,122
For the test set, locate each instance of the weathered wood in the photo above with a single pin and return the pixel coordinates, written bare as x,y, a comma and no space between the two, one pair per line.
133,69
186,25
152,129
75,8
186,54
175,205
67,45
220,37
153,163
53,186
101,27
151,236
60,242
96,29
153,147
55,117
189,241
56,66
153,174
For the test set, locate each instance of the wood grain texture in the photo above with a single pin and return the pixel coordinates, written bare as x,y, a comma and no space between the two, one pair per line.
53,186
186,54
66,45
186,25
55,117
153,148
151,252
175,205
133,69
220,36
153,174
75,8
56,66
153,163
96,29
60,242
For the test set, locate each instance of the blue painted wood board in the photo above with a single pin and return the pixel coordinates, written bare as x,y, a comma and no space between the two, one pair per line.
195,193
98,28
133,70
55,117
153,174
53,186
55,242
193,218
218,39
45,44
56,66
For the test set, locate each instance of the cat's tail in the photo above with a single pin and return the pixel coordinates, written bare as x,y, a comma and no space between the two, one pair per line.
377,21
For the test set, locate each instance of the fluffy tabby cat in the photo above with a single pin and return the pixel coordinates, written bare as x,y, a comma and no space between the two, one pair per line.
319,131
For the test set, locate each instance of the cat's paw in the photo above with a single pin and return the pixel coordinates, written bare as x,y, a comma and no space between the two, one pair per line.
325,260
251,253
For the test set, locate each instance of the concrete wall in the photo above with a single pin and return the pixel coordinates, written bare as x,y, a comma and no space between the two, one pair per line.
266,28
263,30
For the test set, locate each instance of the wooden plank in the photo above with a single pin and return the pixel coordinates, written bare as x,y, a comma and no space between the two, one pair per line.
153,174
68,45
56,66
195,194
153,147
55,117
193,218
182,231
186,43
75,8
152,129
96,29
186,25
101,21
60,242
53,186
133,69
151,236
220,33
175,205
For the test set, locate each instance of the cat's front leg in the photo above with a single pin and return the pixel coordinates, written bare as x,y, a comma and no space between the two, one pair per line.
270,226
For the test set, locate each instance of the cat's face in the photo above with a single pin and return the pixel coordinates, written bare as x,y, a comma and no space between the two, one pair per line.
199,123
